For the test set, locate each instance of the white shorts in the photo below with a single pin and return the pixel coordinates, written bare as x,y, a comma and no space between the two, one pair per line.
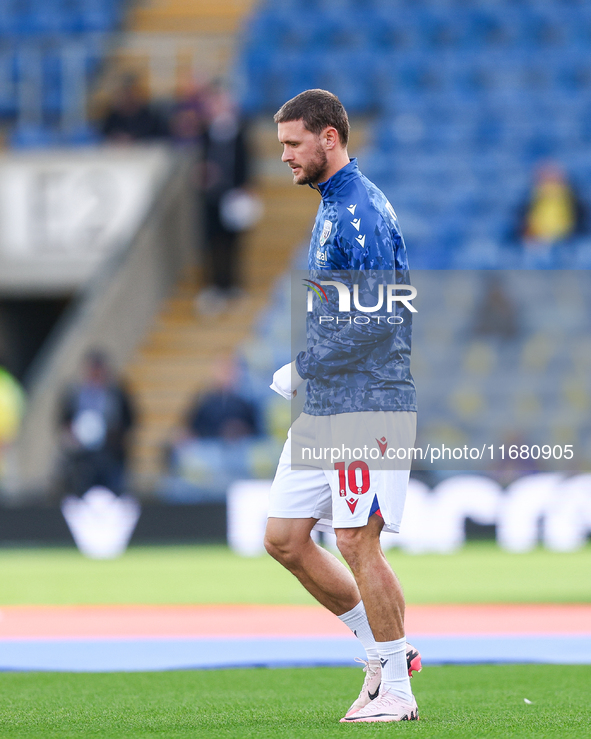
347,493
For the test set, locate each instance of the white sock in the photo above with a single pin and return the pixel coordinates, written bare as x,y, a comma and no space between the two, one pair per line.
356,620
394,670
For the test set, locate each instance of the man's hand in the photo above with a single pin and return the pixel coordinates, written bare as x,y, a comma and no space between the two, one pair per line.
286,381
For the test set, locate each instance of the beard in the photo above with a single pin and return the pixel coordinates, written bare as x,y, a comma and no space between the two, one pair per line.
313,172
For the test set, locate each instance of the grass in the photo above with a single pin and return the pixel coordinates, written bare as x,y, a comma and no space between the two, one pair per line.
454,701
479,573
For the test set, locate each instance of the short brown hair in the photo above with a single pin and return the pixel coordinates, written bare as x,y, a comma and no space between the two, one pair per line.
317,109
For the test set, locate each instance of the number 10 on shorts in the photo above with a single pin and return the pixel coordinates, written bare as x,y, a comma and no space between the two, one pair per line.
358,481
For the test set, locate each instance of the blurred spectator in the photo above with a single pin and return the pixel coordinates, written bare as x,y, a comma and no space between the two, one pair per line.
496,314
553,213
221,412
131,118
220,442
95,417
189,117
12,400
228,206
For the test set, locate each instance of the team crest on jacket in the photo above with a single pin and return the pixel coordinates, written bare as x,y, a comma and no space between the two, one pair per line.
325,232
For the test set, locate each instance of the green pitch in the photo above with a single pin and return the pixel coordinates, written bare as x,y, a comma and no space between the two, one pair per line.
479,573
454,701
477,701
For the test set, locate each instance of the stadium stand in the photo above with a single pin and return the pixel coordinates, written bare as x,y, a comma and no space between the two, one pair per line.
169,42
161,36
465,99
50,53
468,97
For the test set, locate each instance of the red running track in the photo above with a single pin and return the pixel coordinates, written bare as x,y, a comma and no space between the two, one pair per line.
22,622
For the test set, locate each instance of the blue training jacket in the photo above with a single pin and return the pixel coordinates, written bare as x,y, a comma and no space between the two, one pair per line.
354,366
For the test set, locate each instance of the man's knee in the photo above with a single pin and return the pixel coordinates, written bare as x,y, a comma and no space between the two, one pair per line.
348,543
357,544
285,552
276,545
284,541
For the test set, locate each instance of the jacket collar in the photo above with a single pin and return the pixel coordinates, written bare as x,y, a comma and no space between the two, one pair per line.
339,179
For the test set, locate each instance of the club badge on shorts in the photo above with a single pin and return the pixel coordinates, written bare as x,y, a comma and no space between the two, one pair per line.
325,232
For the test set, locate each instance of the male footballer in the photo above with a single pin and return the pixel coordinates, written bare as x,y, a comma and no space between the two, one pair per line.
357,380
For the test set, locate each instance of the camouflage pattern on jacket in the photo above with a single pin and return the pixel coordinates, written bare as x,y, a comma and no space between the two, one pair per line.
353,364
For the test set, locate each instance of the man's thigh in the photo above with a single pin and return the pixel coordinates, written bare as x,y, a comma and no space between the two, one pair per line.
374,476
358,492
299,494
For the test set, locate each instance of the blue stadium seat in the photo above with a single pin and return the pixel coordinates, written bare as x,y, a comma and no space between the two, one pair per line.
33,137
8,99
34,36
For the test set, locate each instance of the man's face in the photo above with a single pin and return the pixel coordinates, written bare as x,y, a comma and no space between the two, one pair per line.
303,151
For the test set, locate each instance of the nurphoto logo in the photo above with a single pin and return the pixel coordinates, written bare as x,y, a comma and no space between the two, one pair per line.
387,295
